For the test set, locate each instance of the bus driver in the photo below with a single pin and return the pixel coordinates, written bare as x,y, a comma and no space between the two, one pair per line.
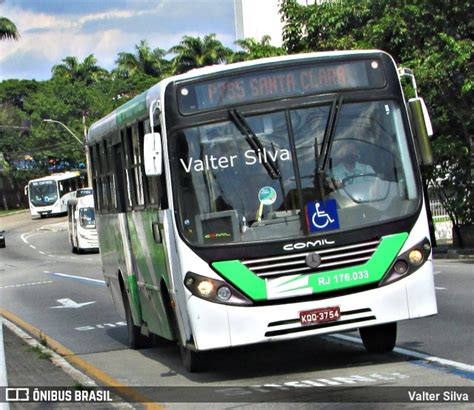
348,166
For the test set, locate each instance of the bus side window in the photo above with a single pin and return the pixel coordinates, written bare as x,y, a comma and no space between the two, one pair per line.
111,183
137,166
103,176
118,161
127,144
95,177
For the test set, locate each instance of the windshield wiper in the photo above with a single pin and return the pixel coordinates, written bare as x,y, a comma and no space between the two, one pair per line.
241,123
326,145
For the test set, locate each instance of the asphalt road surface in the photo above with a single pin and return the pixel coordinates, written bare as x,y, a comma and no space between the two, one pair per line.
43,283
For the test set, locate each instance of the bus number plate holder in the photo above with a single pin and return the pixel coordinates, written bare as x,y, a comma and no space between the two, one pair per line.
322,315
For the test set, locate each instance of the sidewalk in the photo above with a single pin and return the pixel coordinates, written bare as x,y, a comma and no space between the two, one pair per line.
29,365
446,250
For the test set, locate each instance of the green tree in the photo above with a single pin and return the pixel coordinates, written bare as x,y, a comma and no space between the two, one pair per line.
194,52
253,49
8,30
145,61
87,72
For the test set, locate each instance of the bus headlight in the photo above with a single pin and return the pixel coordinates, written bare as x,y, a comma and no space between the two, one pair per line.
205,288
415,257
224,293
408,262
214,290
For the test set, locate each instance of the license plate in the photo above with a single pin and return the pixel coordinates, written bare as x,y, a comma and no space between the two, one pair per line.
328,314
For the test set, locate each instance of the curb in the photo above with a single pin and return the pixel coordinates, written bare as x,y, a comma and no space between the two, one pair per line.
14,212
68,361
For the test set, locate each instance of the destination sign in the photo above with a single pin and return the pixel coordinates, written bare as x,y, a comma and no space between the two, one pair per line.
289,81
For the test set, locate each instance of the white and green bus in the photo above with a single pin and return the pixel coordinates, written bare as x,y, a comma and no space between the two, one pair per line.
227,215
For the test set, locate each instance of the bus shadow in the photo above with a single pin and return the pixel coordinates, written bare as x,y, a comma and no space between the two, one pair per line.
270,359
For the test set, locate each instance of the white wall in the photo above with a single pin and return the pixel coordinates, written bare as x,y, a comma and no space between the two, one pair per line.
256,18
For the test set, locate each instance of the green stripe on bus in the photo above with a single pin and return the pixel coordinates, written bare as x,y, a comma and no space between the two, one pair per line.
242,278
260,289
132,109
133,289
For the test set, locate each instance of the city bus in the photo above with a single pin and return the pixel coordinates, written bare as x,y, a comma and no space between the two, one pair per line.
222,218
81,222
49,195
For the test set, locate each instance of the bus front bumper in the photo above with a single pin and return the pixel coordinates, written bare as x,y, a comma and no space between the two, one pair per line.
217,326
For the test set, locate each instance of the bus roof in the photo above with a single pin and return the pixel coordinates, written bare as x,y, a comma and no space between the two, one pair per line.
60,176
138,107
86,201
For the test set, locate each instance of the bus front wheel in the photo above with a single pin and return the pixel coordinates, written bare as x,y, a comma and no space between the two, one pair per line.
192,360
379,338
136,340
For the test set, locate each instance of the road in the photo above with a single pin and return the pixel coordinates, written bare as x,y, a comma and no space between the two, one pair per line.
63,294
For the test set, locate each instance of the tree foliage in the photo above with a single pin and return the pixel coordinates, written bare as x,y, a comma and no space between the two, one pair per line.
195,52
253,49
8,30
87,72
144,62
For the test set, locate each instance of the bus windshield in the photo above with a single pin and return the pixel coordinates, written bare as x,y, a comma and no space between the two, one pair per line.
228,195
43,193
87,217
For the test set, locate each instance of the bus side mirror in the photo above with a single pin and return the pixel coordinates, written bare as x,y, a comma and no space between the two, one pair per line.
421,125
153,160
25,189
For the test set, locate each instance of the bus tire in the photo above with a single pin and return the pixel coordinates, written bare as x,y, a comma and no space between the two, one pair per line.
192,361
379,338
135,338
73,248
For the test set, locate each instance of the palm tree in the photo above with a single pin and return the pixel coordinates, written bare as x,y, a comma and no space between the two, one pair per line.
194,52
8,30
88,71
144,61
253,49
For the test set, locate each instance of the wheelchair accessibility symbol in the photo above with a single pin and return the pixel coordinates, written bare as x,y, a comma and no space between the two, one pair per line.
322,216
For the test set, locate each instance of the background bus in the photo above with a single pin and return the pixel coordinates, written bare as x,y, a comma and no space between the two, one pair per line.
224,216
49,195
81,222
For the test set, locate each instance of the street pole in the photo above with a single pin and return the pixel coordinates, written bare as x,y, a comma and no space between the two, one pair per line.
88,154
83,143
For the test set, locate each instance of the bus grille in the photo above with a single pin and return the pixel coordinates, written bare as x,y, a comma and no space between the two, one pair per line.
332,258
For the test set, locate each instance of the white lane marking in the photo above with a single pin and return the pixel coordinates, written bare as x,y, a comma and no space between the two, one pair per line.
102,326
439,288
417,355
32,246
70,304
79,277
23,237
56,227
42,253
46,271
437,272
20,285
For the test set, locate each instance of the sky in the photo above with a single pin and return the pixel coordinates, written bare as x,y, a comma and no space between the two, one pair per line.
54,29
